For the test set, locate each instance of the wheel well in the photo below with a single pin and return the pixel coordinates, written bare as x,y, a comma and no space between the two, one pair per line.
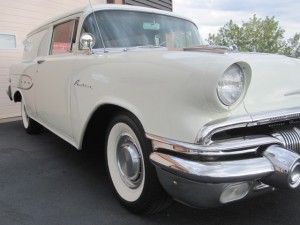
17,97
95,133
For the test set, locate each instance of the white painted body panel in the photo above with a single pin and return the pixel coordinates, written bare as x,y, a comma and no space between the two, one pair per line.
274,79
166,90
53,92
172,93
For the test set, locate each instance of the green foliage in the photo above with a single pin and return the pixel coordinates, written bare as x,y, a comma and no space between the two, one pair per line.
257,35
228,35
292,46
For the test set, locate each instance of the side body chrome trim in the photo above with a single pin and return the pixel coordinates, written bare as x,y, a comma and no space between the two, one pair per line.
296,92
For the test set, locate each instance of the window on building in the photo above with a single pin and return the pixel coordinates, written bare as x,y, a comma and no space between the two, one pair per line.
63,37
8,41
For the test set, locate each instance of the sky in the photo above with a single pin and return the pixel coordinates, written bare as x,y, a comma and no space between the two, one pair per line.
211,15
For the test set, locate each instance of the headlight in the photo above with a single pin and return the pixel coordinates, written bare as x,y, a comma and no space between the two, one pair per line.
231,85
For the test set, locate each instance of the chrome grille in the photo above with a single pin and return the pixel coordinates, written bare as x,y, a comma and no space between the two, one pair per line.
289,136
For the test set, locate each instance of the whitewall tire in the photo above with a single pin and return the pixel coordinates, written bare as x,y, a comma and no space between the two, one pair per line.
133,176
30,126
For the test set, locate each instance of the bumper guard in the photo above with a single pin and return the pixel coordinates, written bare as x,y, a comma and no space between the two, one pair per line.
211,183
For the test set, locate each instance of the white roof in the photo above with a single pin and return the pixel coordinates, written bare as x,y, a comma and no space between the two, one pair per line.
88,9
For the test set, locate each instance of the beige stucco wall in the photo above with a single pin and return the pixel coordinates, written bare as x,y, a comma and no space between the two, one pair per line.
19,17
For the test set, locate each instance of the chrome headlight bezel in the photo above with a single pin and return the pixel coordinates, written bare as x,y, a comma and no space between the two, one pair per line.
231,85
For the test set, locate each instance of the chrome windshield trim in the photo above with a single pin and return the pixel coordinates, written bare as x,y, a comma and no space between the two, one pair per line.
208,130
235,146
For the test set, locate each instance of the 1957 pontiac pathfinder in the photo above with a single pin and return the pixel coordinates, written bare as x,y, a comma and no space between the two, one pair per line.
205,125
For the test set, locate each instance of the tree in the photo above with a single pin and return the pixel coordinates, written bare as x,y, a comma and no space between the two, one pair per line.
292,46
230,34
256,35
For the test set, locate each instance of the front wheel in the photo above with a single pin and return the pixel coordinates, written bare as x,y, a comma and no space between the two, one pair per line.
133,176
30,126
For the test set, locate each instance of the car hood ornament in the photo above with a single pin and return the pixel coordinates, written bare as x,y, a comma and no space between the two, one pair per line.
212,48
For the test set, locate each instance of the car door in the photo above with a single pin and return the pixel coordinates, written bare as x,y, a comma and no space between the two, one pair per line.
54,74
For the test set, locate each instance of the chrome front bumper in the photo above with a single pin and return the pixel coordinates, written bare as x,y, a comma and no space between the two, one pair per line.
212,182
214,172
205,195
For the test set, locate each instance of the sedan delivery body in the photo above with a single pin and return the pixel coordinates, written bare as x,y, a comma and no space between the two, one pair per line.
202,124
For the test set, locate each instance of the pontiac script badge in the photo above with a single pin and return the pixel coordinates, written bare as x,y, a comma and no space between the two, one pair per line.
79,84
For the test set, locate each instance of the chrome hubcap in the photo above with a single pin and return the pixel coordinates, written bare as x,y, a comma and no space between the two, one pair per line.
129,162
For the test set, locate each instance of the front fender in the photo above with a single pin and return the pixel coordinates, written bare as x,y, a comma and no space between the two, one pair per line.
167,91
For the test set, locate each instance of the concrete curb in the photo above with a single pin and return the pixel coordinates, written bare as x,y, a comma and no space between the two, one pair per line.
11,119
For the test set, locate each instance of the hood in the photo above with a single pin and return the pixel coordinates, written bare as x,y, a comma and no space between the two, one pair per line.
275,82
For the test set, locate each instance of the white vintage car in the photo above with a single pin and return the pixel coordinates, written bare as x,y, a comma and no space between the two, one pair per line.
203,124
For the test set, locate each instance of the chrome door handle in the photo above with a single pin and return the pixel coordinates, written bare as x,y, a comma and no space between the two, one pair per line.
41,61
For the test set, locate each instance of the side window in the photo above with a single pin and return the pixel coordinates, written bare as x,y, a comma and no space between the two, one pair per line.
89,26
63,38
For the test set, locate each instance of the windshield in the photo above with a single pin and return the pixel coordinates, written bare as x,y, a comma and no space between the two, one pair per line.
123,29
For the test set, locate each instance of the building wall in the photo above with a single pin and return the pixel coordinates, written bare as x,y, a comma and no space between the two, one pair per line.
158,4
19,17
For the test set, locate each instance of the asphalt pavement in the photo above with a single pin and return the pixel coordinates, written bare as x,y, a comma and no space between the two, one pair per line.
44,180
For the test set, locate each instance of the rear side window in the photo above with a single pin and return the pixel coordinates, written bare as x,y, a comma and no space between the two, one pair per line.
63,37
